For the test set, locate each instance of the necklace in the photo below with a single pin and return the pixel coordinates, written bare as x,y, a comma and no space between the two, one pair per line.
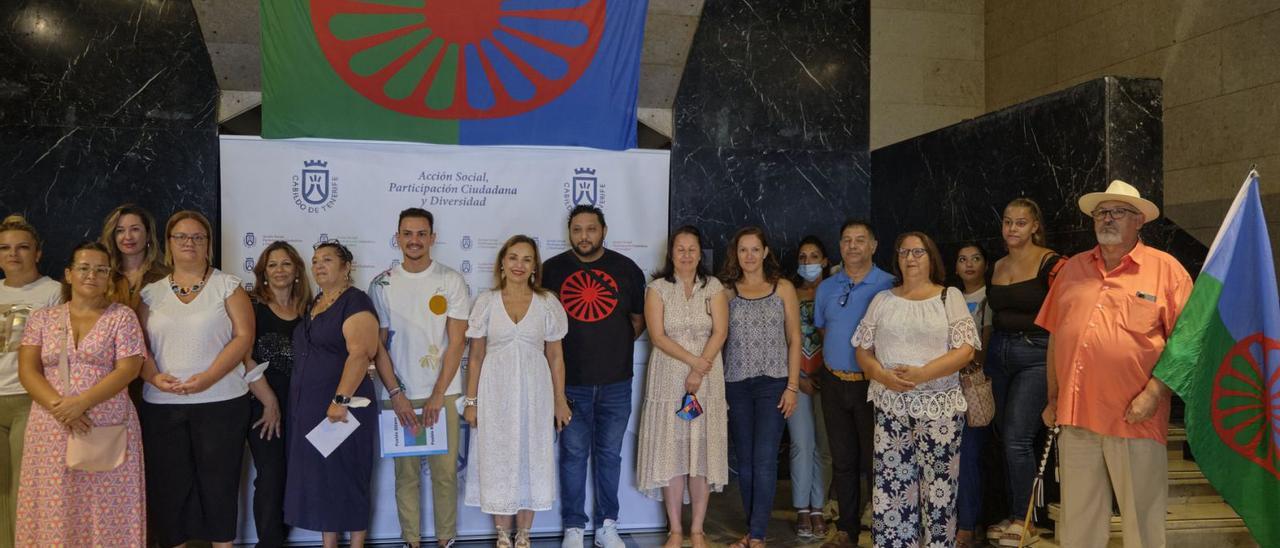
321,305
195,288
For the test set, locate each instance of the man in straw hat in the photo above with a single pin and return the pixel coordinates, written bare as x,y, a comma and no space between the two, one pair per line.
1109,314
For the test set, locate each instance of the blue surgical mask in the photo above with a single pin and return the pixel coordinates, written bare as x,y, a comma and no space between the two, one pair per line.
810,272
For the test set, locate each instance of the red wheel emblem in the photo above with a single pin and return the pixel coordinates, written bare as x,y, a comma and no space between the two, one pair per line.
457,59
585,299
1246,403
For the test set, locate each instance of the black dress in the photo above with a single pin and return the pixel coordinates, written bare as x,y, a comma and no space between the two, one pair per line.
272,343
328,494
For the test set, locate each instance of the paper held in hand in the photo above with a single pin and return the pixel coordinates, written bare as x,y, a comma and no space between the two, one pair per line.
399,441
327,435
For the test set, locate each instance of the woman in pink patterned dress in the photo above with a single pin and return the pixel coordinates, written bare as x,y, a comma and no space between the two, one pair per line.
59,506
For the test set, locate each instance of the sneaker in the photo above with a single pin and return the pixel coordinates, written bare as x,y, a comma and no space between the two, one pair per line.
607,536
572,538
804,527
994,532
1013,536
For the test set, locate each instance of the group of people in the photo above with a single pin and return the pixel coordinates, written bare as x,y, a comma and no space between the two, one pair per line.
861,366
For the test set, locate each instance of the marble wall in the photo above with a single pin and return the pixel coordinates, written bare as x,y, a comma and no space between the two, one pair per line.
103,103
954,182
771,121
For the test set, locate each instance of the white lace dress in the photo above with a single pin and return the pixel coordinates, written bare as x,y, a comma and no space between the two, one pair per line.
907,333
511,464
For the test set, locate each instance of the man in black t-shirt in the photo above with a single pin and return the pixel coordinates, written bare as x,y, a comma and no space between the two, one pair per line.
603,294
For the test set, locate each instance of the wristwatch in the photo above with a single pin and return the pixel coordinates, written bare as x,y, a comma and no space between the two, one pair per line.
341,400
469,402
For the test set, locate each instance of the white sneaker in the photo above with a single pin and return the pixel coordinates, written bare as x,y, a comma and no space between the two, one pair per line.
572,538
607,536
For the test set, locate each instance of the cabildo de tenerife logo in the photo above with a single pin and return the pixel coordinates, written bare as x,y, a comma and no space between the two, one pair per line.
465,243
250,239
314,188
584,189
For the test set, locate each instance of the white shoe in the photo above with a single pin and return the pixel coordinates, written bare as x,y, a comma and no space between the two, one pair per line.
994,532
572,538
607,536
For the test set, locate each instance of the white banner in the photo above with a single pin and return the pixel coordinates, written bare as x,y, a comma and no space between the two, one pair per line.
305,191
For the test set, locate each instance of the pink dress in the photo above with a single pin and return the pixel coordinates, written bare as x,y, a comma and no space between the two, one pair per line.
62,507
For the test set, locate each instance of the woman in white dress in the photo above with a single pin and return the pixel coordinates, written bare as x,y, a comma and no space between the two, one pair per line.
912,342
515,393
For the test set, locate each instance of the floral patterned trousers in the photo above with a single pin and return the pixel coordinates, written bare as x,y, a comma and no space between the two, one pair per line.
916,469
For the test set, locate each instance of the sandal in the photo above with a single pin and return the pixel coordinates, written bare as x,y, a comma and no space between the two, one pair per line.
504,538
674,540
756,543
744,542
804,528
522,539
699,539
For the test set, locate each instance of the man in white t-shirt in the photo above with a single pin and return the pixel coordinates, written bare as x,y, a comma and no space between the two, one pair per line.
422,309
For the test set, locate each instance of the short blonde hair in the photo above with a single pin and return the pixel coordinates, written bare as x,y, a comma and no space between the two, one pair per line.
18,222
182,216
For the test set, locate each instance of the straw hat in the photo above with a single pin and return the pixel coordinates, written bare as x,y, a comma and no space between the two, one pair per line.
1122,192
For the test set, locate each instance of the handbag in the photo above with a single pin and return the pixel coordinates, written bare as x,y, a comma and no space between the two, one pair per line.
102,449
977,387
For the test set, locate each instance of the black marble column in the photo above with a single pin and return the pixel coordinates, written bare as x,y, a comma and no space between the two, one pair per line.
953,183
103,103
771,121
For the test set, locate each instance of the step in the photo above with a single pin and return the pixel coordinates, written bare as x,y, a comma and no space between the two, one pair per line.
1202,523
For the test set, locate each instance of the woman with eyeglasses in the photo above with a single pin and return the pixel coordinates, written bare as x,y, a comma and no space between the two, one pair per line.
332,349
810,457
23,291
515,400
971,271
281,293
688,318
912,342
129,233
76,360
761,371
1017,355
199,323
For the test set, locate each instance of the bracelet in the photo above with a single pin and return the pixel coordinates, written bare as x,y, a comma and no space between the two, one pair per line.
397,390
793,388
469,402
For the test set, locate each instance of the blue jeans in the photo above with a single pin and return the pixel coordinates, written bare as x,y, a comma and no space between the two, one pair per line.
755,422
600,416
809,455
1016,365
969,495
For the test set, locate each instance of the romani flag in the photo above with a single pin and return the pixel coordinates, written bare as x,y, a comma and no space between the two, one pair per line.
1223,359
479,72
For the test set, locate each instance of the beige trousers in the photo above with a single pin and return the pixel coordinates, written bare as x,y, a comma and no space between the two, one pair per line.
13,427
1094,466
444,483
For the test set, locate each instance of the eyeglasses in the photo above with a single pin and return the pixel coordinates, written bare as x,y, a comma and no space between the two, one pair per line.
193,238
916,252
84,270
844,297
1115,214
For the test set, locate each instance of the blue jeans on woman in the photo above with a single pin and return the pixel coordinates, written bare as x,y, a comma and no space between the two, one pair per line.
755,423
969,494
1016,365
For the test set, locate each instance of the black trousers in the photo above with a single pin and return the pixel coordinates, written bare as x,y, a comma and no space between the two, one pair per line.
848,416
269,462
193,456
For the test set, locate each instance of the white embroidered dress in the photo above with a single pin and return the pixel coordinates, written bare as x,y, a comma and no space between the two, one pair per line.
907,333
511,465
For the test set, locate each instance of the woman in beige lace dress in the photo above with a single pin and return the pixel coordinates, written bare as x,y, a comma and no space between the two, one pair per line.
688,317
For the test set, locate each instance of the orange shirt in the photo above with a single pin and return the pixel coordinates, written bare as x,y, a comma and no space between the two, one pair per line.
1109,329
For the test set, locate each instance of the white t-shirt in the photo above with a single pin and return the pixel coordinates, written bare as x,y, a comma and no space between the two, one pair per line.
981,317
187,337
16,305
414,308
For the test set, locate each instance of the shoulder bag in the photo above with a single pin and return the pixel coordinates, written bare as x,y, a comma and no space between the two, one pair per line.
102,449
975,385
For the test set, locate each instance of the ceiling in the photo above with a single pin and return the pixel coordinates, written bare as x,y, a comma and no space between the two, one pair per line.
231,32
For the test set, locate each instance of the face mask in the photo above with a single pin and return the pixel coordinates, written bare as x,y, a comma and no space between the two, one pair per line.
810,272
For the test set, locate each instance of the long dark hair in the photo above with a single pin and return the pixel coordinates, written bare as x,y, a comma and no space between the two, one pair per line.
986,262
732,273
814,241
668,270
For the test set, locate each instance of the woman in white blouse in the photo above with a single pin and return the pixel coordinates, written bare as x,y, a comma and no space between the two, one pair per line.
515,390
912,343
199,324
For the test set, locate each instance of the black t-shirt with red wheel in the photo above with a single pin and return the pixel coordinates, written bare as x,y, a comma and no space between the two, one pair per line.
598,349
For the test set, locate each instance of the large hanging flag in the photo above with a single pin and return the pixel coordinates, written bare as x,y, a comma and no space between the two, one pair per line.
1223,359
479,72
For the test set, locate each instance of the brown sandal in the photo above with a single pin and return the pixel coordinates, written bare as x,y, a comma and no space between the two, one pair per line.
744,542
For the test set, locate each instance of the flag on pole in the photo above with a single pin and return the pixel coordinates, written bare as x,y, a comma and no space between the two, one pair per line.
1223,359
482,72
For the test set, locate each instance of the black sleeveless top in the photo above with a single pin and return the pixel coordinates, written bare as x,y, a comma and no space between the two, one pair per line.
1015,306
273,339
